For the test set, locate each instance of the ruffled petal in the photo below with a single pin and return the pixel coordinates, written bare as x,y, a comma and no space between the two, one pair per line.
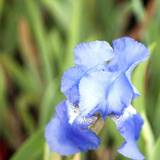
129,125
93,53
84,139
56,133
104,92
67,139
128,53
92,89
119,95
130,150
70,82
128,75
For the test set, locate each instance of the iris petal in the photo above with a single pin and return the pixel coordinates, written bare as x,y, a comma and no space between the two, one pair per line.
70,81
130,150
105,93
129,125
128,75
56,133
92,90
119,95
93,53
128,53
66,139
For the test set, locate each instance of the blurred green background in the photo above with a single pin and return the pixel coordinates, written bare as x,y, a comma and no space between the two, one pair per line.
37,38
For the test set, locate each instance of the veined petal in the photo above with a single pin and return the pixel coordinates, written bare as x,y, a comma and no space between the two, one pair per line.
128,75
128,53
92,89
67,139
104,92
94,53
70,81
129,125
119,95
56,133
130,150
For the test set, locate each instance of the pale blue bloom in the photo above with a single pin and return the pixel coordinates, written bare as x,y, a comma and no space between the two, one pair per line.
100,82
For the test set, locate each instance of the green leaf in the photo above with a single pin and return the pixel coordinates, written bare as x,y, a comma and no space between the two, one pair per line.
2,87
60,10
49,155
35,17
139,79
20,75
3,100
74,32
47,104
155,151
147,135
32,148
56,46
138,9
1,6
156,117
139,103
22,103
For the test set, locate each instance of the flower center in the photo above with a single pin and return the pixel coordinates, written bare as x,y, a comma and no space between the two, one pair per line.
94,122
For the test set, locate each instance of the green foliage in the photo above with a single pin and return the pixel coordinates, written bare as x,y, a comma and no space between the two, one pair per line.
37,39
139,79
32,148
155,150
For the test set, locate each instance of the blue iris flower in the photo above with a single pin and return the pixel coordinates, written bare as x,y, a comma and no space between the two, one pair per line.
100,82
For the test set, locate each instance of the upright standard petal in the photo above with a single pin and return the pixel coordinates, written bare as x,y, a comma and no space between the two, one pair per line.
65,138
129,125
70,82
93,89
93,53
128,75
104,92
128,53
119,95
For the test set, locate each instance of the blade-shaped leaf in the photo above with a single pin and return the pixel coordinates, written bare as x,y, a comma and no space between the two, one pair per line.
31,148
